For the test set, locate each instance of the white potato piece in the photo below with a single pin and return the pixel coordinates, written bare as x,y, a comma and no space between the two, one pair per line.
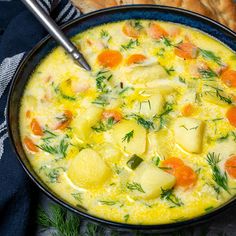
189,134
137,143
83,123
152,106
145,73
88,169
152,179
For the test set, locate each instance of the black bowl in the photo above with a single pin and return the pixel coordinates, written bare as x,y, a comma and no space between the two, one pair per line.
44,47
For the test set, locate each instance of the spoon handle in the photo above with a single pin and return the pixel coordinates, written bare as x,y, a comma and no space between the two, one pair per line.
56,32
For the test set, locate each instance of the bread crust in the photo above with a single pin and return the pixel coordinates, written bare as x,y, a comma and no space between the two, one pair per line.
223,11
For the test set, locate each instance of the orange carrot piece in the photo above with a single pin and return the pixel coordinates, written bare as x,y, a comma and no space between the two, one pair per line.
185,176
228,77
171,164
186,50
136,59
30,145
155,31
66,122
230,166
109,58
231,116
129,30
36,128
116,115
187,110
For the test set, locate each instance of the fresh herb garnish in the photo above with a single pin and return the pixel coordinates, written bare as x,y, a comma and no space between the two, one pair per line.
134,162
108,203
147,124
210,56
220,178
103,126
168,107
182,80
48,136
210,208
126,217
207,73
168,195
128,136
124,90
59,150
169,70
105,35
101,101
156,160
102,77
135,186
161,52
131,44
52,174
77,196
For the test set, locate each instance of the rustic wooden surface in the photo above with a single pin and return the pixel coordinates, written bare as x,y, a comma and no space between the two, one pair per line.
223,11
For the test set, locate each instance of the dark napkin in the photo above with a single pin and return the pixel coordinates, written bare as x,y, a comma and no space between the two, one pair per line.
17,192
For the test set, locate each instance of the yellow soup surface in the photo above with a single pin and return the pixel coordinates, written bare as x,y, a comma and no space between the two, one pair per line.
148,136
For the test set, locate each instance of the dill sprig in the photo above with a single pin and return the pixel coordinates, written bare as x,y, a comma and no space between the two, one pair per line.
220,178
207,73
135,186
168,195
168,107
131,44
128,136
105,35
147,124
169,70
52,174
101,101
108,203
103,126
59,219
59,150
210,56
102,77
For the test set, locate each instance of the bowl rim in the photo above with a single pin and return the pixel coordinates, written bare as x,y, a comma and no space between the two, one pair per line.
125,226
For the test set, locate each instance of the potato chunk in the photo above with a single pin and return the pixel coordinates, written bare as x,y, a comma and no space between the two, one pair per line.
152,106
136,144
152,179
189,134
88,169
84,122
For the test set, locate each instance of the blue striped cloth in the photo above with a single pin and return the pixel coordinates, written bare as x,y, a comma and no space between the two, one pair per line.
16,190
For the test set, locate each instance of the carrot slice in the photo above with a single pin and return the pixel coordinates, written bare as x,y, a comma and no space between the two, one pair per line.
230,166
171,164
186,50
116,115
187,110
228,77
129,30
155,31
67,118
135,59
36,128
30,145
231,116
109,58
185,176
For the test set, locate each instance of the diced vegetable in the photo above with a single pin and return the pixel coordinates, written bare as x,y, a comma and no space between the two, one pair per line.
132,28
186,50
185,176
30,145
231,116
109,58
65,120
137,143
116,115
152,106
36,128
136,59
66,89
230,166
83,124
229,78
155,31
134,162
189,134
187,110
152,180
88,170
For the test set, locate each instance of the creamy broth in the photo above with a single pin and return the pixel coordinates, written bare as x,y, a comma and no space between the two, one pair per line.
148,136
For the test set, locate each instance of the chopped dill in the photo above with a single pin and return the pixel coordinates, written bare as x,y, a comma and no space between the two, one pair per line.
128,136
210,56
131,44
135,186
168,195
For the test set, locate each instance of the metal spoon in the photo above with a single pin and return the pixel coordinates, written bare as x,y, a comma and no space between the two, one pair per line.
56,32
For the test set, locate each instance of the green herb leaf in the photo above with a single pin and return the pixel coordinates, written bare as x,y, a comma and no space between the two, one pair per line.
147,124
108,203
169,70
210,56
128,136
103,126
135,186
169,196
220,178
105,35
134,162
131,44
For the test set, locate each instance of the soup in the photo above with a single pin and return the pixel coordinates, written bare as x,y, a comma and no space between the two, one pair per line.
148,136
